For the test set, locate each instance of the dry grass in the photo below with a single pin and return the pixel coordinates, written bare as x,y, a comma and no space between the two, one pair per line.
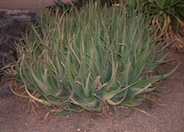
175,41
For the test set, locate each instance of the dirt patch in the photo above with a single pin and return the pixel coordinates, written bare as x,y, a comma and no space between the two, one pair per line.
16,114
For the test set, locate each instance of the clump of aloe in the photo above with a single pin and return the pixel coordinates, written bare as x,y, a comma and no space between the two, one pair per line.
92,59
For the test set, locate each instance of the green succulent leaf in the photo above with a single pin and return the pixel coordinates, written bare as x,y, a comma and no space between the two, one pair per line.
94,57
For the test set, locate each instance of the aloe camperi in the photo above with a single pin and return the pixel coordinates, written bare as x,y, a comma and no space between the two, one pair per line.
90,59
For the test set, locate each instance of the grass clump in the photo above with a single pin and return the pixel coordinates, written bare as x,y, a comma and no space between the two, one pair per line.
92,59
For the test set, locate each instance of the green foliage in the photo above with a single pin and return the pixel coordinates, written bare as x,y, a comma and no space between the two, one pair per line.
165,12
62,6
79,3
90,59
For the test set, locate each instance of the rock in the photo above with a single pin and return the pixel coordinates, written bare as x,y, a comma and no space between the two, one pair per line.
2,14
12,24
25,15
5,91
3,38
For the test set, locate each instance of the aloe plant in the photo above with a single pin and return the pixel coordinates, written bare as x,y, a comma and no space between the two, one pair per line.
166,12
90,59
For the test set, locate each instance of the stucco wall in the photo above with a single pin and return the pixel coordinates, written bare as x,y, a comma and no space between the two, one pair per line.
26,4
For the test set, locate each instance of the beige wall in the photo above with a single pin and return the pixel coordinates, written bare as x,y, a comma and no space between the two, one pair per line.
25,4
